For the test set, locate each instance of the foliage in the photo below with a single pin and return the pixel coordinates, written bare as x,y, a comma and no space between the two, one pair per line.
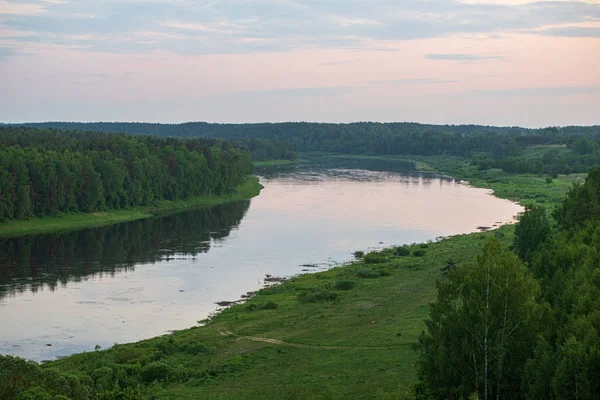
582,203
321,293
345,285
48,172
419,253
481,328
531,231
374,258
401,251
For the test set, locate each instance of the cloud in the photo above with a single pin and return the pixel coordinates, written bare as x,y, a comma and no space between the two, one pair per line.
571,31
12,8
6,52
461,57
231,26
196,27
302,92
341,62
536,91
414,81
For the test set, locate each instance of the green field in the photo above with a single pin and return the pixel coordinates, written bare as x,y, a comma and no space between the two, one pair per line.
86,220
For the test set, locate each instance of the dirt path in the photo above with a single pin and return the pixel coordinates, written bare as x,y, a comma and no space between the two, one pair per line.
306,346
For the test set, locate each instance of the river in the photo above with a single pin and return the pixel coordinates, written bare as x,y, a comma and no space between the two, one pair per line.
67,293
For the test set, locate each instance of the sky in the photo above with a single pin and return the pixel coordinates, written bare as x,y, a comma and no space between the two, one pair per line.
491,62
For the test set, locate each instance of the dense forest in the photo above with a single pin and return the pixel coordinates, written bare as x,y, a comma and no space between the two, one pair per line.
522,324
45,172
563,150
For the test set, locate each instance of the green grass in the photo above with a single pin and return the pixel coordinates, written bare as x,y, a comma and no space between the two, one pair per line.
86,220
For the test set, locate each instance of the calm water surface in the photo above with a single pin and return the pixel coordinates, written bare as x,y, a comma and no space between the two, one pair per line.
66,293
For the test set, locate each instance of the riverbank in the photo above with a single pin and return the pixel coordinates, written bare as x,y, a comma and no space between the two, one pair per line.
344,333
249,189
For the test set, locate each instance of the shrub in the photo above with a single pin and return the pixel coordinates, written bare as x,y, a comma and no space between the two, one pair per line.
419,253
314,295
372,273
366,273
359,254
402,251
374,258
345,285
130,354
155,371
270,305
196,348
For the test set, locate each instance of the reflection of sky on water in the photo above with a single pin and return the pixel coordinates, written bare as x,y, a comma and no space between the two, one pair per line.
306,218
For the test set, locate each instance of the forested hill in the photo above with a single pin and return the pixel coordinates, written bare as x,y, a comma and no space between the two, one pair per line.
45,172
513,149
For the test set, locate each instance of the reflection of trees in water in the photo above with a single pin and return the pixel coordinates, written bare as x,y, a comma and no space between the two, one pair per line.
35,262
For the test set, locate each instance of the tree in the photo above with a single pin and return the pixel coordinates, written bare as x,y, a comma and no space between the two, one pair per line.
531,231
480,330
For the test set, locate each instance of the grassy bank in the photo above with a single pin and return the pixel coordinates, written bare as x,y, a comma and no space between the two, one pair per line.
344,333
85,220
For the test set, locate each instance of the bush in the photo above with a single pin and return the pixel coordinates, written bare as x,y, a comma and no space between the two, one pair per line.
155,371
372,273
374,258
270,305
130,354
345,285
359,254
366,273
419,253
401,251
196,348
315,295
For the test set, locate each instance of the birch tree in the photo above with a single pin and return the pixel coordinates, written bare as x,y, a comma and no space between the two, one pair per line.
481,329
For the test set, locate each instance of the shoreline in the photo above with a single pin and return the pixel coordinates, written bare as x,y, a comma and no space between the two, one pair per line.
68,222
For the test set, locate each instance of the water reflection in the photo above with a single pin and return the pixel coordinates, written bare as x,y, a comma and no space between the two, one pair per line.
49,261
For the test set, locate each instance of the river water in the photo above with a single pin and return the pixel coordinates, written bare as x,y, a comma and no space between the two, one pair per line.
66,293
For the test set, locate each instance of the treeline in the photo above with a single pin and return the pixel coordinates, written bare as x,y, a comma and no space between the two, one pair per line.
45,172
522,324
268,149
578,154
492,147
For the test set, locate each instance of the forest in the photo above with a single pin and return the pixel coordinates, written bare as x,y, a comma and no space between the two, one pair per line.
48,172
563,150
522,324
